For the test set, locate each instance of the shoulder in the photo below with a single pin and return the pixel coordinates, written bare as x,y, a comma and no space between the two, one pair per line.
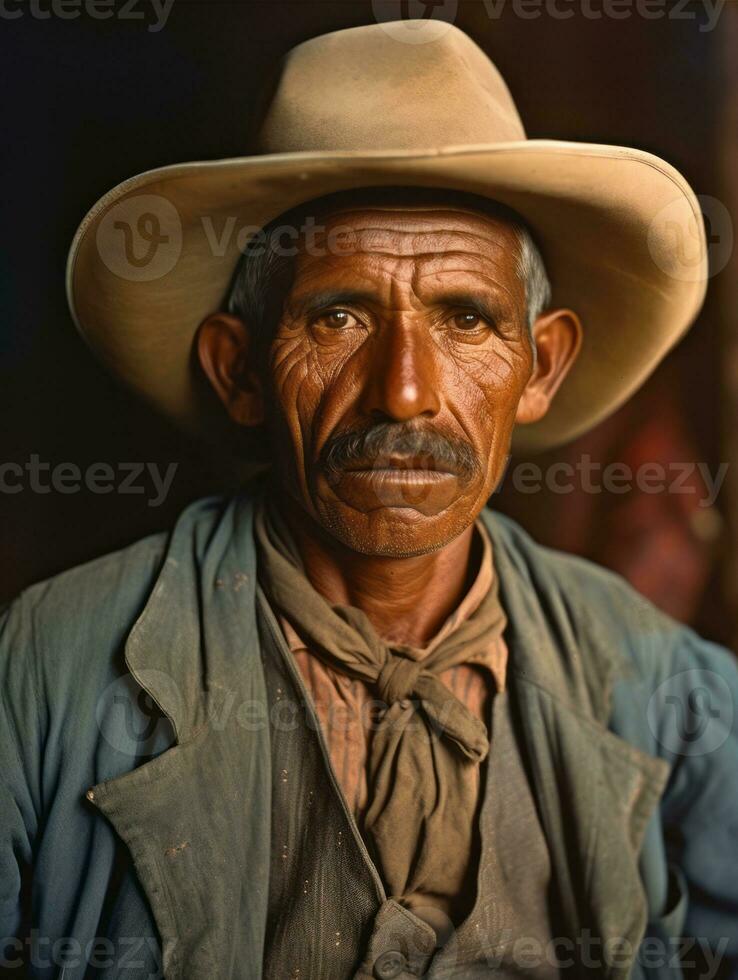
104,592
70,630
607,616
93,596
61,647
60,638
578,584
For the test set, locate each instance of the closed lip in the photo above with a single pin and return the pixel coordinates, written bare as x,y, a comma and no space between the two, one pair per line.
407,465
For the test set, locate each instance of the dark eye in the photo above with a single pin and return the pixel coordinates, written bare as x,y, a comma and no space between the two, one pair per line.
468,320
337,319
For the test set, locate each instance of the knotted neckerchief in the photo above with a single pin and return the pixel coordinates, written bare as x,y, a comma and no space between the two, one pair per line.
422,794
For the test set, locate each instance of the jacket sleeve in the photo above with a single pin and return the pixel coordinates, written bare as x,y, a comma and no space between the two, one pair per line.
21,739
697,706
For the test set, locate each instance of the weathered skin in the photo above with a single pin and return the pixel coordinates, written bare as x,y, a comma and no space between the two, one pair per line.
414,316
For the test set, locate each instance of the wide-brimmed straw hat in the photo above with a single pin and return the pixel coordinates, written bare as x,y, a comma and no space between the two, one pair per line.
620,230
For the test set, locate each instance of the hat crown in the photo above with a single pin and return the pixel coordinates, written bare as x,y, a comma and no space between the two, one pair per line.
367,89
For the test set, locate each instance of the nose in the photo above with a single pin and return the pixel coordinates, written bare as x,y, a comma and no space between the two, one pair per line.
401,380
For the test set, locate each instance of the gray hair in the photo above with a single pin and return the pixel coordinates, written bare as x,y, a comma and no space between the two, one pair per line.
532,272
264,275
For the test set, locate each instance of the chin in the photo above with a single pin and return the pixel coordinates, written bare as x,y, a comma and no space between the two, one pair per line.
394,532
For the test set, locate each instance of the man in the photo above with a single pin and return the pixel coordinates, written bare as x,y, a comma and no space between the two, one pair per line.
350,722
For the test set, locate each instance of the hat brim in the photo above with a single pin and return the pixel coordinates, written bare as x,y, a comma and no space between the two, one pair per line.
620,231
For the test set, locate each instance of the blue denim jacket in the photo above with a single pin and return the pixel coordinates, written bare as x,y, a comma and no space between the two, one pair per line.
135,772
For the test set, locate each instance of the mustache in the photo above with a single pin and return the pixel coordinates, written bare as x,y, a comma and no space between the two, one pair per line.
372,444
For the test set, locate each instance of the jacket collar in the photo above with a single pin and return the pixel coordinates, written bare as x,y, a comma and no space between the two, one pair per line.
197,634
197,818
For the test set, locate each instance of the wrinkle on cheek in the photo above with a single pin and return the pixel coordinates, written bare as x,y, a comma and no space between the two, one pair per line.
290,369
307,410
297,357
489,370
306,399
308,375
288,377
484,389
497,371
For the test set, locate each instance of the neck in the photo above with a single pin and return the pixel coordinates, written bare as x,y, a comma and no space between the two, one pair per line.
406,600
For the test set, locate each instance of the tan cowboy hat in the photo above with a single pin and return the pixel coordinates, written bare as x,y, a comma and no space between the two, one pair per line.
620,230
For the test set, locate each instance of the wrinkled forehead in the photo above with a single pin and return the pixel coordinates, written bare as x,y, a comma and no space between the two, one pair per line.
400,214
430,237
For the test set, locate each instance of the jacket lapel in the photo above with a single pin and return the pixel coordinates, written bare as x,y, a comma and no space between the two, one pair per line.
595,791
196,819
596,794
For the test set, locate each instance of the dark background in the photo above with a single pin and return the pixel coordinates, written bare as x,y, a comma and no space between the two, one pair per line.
89,103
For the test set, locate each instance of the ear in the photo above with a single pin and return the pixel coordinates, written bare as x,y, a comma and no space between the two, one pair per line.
557,337
224,348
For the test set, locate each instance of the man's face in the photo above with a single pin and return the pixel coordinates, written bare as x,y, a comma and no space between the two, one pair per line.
396,372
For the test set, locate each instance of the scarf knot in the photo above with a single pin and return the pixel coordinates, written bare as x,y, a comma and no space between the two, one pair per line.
397,678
